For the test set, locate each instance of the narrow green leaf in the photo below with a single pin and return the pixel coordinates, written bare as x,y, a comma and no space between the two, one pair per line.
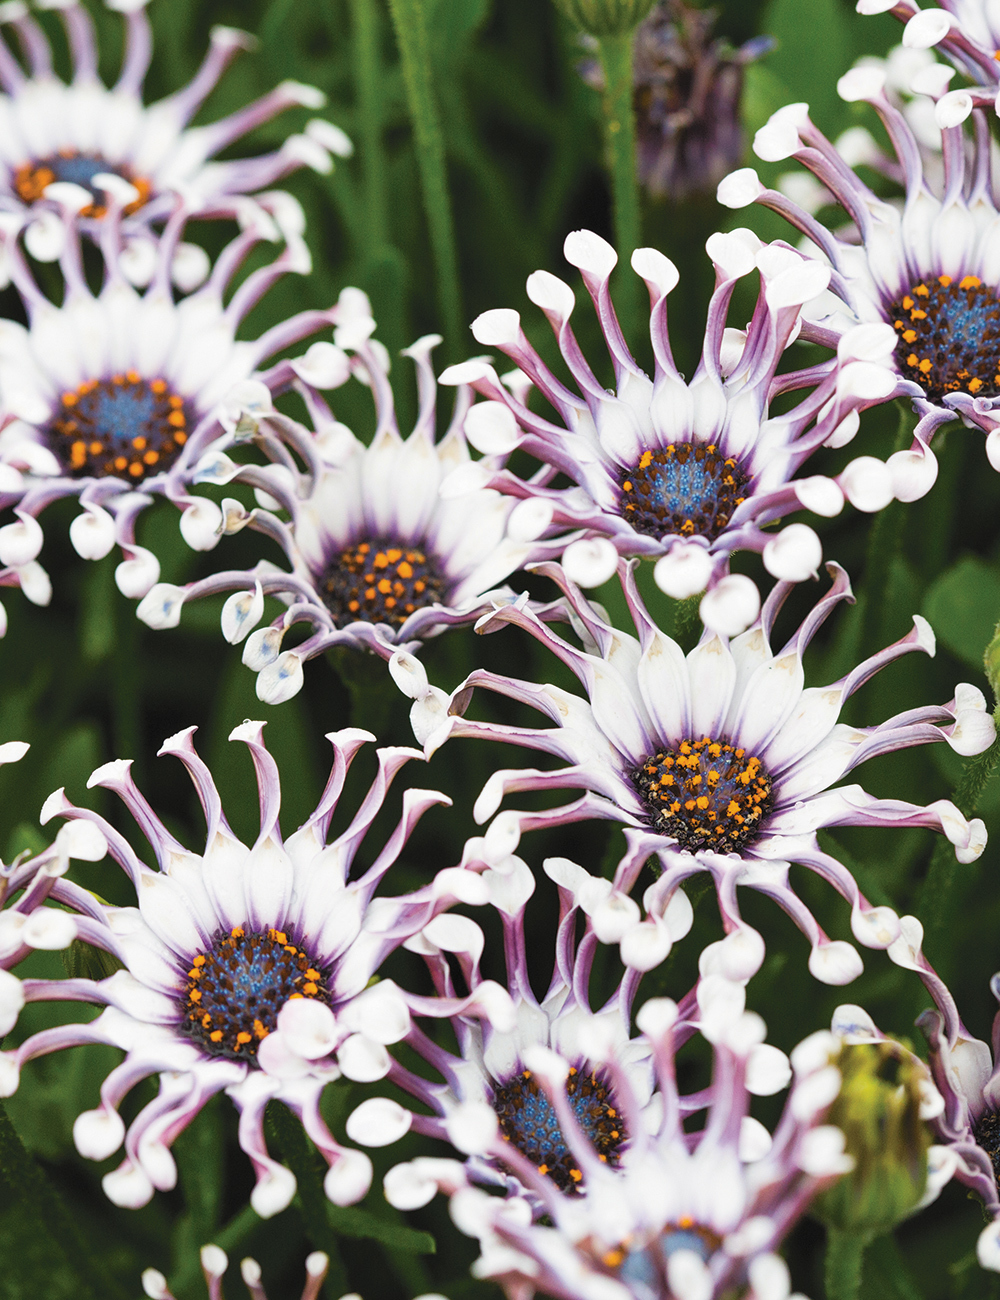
352,1221
410,23
29,1184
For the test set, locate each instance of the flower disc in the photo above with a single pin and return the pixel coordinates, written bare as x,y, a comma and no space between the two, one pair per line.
381,581
685,488
949,336
705,794
528,1121
31,179
235,990
123,427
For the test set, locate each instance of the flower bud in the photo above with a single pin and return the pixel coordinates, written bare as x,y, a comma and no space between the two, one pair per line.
878,1111
605,17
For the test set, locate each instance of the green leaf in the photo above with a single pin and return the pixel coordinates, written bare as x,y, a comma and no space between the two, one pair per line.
25,838
812,52
448,21
351,1221
963,606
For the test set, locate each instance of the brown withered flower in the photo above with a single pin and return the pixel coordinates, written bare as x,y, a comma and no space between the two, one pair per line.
687,99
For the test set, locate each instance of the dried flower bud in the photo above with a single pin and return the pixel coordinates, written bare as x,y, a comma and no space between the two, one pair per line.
687,99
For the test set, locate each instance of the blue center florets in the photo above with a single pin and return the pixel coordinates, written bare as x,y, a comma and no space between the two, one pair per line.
949,336
235,990
528,1121
684,488
33,178
68,166
645,1269
124,426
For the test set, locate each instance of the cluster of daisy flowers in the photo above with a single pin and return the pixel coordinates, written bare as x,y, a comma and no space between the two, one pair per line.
582,1163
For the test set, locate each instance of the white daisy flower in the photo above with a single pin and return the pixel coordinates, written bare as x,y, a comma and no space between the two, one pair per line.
721,761
246,970
683,472
52,132
386,545
112,398
689,1211
929,267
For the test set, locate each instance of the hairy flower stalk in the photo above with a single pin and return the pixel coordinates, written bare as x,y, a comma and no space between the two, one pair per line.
686,89
721,761
377,558
684,473
245,970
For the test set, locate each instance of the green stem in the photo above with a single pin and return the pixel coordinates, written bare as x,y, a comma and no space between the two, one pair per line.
293,1146
370,84
29,1185
374,699
686,619
615,53
230,1238
411,35
126,701
991,662
844,1256
937,899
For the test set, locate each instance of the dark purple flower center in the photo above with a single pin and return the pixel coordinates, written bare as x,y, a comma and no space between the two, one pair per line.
949,336
31,179
528,1121
685,488
235,990
381,581
125,426
705,794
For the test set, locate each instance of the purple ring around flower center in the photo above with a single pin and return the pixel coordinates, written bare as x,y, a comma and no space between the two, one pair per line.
236,988
705,794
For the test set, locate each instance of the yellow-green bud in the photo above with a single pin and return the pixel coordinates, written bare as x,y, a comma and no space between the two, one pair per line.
605,17
878,1110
